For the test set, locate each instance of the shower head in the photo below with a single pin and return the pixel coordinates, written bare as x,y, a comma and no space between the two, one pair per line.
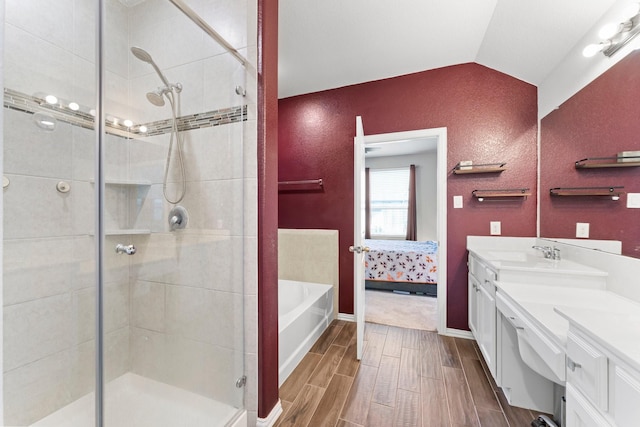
144,56
156,98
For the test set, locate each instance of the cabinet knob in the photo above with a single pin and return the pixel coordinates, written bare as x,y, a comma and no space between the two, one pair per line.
573,365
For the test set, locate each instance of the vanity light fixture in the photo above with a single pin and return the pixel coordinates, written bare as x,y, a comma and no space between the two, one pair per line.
614,36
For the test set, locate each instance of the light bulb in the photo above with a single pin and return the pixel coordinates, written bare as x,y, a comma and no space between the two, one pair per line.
591,50
616,197
74,106
128,123
143,129
631,10
609,30
481,199
51,99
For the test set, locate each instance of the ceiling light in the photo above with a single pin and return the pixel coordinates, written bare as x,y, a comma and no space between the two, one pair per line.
143,129
45,121
593,49
51,99
609,30
616,35
128,123
74,106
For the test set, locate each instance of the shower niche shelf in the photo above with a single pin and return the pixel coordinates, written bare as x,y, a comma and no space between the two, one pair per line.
127,232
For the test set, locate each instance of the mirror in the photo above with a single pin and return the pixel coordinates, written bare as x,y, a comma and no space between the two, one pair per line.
598,123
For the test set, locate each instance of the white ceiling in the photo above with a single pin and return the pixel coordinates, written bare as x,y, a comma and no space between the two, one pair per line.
325,44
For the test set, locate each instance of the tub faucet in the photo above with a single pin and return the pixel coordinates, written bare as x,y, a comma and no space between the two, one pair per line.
549,252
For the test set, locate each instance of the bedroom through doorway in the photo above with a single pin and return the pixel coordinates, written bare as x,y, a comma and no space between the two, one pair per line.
401,231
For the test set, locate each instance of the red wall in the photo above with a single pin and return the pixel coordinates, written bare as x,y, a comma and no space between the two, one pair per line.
489,117
599,121
267,210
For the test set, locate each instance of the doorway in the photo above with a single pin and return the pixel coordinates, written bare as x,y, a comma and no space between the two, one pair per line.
392,302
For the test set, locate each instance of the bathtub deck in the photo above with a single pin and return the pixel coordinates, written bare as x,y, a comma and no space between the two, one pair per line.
406,377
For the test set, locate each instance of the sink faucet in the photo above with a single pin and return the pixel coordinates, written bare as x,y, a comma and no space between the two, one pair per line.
549,252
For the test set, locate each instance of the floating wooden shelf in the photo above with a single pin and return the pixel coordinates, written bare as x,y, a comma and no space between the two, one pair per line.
302,185
613,192
502,193
480,168
608,162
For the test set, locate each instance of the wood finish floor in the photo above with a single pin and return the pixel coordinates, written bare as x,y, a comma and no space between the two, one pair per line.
407,377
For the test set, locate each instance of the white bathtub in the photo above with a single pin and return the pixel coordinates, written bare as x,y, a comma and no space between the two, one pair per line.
304,312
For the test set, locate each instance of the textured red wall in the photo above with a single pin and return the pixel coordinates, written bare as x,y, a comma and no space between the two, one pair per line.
490,117
267,209
599,121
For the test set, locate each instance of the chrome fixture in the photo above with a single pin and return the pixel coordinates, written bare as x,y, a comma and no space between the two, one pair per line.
178,218
172,92
125,249
358,249
615,35
549,252
193,16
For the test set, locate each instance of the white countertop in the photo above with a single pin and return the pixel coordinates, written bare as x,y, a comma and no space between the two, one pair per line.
614,325
552,306
527,261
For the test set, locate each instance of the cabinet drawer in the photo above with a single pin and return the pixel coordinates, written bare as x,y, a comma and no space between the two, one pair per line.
580,413
626,401
480,270
587,370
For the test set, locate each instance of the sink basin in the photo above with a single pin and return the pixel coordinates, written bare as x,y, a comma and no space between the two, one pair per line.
508,256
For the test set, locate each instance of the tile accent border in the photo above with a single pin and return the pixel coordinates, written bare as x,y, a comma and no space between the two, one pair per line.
19,101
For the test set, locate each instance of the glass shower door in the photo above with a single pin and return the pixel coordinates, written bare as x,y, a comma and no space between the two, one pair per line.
173,220
48,208
171,282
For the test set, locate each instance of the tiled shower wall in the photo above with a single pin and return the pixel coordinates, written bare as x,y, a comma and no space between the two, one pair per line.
174,311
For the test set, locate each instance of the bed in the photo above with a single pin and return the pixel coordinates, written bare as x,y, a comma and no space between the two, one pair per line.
402,265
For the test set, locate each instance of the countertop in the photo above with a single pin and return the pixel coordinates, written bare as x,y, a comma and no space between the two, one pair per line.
526,261
609,319
615,327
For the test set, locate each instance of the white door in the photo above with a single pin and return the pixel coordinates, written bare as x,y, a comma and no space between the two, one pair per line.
358,247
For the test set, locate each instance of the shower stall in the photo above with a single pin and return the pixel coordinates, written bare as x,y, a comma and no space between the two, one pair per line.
123,270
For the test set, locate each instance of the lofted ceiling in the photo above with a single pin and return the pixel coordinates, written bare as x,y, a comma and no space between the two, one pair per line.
325,44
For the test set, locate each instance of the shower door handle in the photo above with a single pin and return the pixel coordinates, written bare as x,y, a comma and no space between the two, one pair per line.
125,249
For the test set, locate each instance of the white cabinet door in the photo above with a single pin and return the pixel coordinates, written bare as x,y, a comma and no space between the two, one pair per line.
626,402
487,326
580,413
473,306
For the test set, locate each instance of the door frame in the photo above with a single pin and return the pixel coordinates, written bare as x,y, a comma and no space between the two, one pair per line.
441,201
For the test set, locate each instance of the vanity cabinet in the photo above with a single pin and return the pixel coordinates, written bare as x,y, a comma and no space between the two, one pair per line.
482,309
602,389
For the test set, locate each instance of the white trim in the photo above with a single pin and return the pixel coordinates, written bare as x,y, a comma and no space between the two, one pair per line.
347,317
272,417
457,333
441,178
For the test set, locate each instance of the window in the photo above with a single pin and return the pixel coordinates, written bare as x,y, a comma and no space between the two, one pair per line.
389,201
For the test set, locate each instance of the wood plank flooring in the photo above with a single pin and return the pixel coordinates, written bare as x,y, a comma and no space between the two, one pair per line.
407,377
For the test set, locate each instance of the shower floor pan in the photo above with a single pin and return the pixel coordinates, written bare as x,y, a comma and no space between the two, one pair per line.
135,401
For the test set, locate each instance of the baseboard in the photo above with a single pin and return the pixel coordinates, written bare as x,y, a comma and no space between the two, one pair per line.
272,417
457,333
347,317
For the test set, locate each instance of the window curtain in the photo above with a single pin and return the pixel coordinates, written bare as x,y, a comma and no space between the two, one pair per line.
412,233
367,205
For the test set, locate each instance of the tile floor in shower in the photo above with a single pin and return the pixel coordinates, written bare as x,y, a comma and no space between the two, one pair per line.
135,401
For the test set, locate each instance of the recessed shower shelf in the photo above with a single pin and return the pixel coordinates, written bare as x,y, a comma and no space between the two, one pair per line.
125,182
127,232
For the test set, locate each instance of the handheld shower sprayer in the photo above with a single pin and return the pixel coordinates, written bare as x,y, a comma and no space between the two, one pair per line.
172,92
